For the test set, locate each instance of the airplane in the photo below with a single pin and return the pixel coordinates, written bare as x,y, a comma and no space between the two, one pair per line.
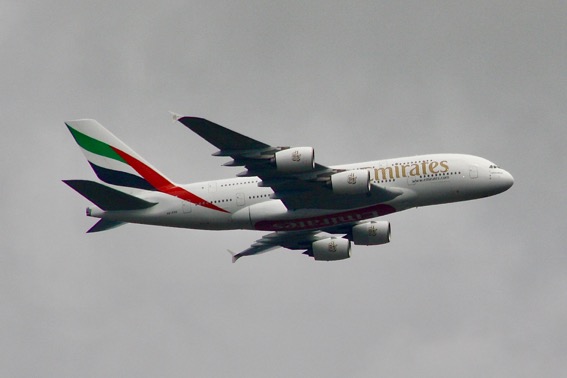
320,210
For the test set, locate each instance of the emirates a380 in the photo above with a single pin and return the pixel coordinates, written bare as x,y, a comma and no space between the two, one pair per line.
317,209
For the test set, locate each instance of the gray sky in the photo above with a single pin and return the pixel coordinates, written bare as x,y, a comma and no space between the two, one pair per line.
470,289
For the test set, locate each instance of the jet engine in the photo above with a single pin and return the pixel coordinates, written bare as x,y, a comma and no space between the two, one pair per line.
371,233
331,249
351,182
296,159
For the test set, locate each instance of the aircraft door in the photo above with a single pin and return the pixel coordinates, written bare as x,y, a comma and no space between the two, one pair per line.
186,207
473,171
240,199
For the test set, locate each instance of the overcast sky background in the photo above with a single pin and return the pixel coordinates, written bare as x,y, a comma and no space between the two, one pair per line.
470,289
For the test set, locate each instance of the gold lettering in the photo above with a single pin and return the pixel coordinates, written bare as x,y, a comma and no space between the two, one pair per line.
415,170
432,166
445,166
383,171
399,170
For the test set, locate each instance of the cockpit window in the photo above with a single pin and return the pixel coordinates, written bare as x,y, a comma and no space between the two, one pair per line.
494,166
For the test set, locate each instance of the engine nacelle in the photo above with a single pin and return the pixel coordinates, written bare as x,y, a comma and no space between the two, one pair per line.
351,182
296,159
331,249
371,233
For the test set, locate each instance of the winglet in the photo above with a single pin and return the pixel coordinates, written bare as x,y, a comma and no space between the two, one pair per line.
175,116
234,256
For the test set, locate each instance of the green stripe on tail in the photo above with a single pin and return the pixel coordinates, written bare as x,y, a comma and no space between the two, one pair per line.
94,146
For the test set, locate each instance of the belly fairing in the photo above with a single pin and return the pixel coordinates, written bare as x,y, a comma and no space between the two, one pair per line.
308,219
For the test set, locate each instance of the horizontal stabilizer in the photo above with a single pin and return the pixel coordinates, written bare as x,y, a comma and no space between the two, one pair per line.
103,225
107,198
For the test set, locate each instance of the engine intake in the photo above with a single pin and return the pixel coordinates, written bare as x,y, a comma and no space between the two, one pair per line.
331,249
296,159
351,182
371,233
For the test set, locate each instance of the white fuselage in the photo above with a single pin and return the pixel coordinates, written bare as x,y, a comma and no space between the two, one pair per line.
419,180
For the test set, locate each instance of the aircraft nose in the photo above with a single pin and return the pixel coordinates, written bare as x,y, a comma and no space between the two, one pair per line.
507,180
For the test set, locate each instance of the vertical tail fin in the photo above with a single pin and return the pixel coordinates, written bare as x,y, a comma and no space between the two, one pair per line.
113,161
117,164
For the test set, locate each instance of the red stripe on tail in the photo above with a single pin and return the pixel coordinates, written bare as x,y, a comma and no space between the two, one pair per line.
164,185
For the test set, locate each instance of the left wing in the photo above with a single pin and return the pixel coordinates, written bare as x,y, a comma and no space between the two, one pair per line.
292,174
259,159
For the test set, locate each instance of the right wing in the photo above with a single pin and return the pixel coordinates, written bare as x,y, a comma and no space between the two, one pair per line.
295,190
296,240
